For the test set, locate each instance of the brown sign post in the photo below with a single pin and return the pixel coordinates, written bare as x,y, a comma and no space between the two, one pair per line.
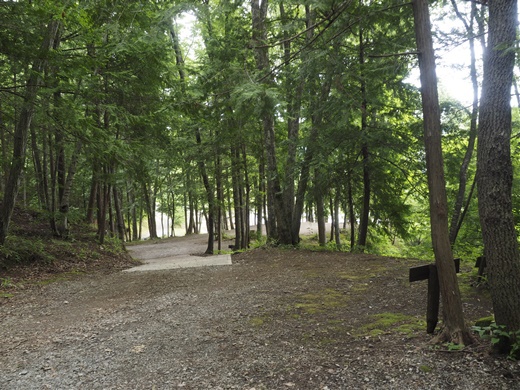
429,272
481,265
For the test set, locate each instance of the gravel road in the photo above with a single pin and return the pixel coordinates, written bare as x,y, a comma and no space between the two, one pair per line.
275,319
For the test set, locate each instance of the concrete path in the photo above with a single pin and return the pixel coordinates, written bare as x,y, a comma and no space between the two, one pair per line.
178,252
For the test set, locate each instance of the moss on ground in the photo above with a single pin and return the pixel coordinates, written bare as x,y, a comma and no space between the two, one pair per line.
61,277
320,301
389,323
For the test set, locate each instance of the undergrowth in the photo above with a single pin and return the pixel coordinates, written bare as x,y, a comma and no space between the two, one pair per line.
19,250
502,339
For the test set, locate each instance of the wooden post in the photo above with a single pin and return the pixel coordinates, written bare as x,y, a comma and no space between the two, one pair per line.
481,264
434,293
430,272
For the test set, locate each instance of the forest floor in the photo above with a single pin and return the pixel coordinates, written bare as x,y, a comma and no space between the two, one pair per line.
275,319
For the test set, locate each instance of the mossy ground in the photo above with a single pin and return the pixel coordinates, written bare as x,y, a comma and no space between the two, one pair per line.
391,323
346,296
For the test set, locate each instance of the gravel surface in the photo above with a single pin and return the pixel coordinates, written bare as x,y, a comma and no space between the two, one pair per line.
275,319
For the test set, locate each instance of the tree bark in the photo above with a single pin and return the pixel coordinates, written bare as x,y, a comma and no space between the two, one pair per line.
494,167
3,150
235,179
454,327
320,217
351,214
220,199
210,197
120,221
294,98
229,223
22,129
278,214
63,226
365,210
320,210
260,198
311,153
150,211
336,219
92,197
38,171
245,201
103,199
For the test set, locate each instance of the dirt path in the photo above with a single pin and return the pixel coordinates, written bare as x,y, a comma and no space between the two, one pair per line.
177,252
275,319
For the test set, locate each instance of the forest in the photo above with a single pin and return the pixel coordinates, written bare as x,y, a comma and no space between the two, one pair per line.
257,115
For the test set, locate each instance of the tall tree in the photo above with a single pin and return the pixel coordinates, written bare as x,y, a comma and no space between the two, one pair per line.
22,127
279,216
454,327
494,167
365,210
457,216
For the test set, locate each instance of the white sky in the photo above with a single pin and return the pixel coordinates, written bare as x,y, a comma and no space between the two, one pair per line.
452,63
453,77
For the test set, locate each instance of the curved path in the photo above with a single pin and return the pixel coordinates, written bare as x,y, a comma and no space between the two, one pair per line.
188,251
177,252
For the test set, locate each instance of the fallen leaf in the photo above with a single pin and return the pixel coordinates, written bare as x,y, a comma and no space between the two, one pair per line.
138,349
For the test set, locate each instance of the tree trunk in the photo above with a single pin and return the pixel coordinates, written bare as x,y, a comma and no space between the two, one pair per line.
120,221
63,226
3,150
210,198
129,230
103,198
141,211
211,202
220,198
310,153
38,171
229,224
294,98
336,219
172,213
190,220
365,210
351,215
279,214
332,218
454,327
150,211
53,184
235,179
93,191
22,129
494,167
111,224
245,201
260,197
320,217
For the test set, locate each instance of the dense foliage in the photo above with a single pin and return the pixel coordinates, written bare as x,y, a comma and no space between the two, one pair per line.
167,107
